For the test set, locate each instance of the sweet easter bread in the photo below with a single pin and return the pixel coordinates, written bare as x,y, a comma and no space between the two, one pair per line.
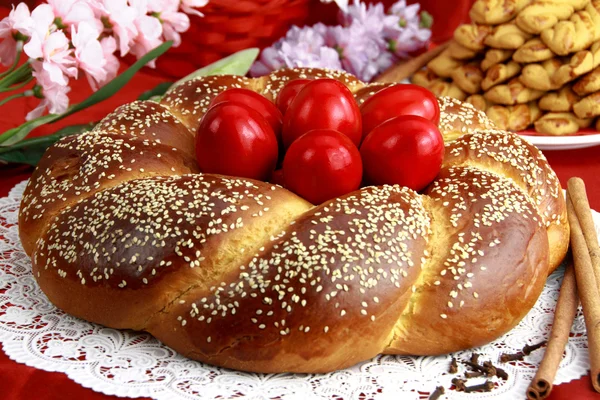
123,230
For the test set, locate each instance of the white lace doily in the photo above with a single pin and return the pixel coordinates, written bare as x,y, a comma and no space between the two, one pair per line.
134,364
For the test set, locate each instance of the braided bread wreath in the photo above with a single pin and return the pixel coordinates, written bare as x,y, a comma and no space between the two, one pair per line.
124,231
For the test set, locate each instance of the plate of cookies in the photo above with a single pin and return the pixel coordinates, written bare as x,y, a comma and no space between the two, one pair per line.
535,70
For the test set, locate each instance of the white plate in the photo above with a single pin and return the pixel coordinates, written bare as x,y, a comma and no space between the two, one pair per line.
563,142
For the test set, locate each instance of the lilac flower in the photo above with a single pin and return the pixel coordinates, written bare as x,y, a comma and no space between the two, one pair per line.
411,33
301,47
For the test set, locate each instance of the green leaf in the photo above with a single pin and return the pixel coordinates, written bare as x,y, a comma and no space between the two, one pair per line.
158,90
30,151
15,135
236,64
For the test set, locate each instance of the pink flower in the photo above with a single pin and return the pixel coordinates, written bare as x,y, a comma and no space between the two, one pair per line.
72,12
52,48
173,22
89,54
55,95
18,21
187,6
149,30
109,46
119,16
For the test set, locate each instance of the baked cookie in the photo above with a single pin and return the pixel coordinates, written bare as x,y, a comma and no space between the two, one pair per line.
534,50
575,34
511,93
460,52
424,77
559,124
539,76
495,56
493,12
472,36
478,101
444,65
514,118
588,107
442,88
468,77
559,101
588,83
579,64
543,14
500,73
507,36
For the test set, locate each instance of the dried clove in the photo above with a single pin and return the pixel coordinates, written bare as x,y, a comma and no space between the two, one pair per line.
528,349
459,384
439,391
506,357
502,374
453,366
475,358
474,374
490,369
475,366
485,387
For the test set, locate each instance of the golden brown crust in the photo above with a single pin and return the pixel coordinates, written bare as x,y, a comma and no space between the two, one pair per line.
424,77
460,52
588,83
580,63
478,101
458,118
575,34
442,88
443,65
243,274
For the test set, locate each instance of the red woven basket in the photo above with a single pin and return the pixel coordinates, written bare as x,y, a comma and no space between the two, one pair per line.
229,26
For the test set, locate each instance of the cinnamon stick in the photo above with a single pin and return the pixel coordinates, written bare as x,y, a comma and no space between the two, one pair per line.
587,285
584,216
564,314
406,69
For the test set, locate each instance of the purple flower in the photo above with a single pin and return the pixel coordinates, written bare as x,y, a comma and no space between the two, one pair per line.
301,47
411,32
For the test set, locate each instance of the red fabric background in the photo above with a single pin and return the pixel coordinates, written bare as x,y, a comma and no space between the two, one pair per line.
20,382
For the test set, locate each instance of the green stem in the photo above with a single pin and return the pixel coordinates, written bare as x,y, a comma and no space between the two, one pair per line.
14,96
17,87
16,76
15,63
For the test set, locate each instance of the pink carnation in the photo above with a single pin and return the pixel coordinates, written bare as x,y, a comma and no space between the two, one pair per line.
55,95
89,54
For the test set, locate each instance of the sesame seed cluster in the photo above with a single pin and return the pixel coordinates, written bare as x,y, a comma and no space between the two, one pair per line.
458,118
339,266
247,275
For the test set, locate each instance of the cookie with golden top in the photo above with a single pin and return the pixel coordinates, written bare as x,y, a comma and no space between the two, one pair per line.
468,77
124,231
459,52
579,64
588,83
500,73
534,50
472,36
539,76
443,65
478,101
443,88
560,124
588,107
495,56
575,34
543,14
511,93
494,12
514,118
507,36
559,101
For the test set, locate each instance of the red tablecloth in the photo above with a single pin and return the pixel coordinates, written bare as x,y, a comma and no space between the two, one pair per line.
19,382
